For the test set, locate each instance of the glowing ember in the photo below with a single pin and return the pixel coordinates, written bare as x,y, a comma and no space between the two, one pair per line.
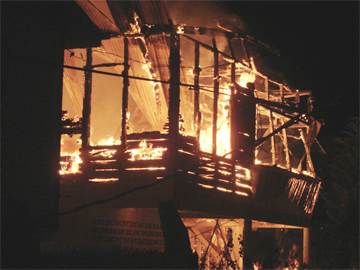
298,189
104,153
224,189
104,179
205,186
241,193
243,185
146,169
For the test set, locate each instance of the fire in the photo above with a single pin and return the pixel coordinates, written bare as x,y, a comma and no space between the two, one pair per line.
70,164
109,141
246,78
180,29
135,27
223,125
104,153
146,152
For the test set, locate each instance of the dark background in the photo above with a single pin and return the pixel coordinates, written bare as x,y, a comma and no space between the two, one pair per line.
319,51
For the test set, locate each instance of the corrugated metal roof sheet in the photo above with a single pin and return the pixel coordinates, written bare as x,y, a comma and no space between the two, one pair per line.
98,18
148,12
153,12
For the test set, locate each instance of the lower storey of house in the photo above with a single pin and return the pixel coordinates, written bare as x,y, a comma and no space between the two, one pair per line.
217,241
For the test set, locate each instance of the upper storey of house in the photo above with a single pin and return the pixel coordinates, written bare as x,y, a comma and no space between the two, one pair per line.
185,101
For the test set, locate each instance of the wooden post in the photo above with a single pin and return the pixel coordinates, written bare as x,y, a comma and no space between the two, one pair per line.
286,146
215,107
197,116
285,141
232,110
309,163
85,132
271,122
245,51
216,96
125,94
247,261
306,245
233,136
174,97
86,114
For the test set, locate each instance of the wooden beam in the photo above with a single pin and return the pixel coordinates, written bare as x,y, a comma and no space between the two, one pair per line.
286,148
174,97
85,134
309,163
197,115
216,96
125,93
273,150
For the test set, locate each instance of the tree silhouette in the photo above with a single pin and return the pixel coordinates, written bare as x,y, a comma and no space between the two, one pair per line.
335,234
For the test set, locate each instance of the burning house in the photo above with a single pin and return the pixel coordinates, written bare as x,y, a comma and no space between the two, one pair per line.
160,112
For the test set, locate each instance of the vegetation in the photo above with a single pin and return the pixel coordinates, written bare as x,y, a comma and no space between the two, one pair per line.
335,232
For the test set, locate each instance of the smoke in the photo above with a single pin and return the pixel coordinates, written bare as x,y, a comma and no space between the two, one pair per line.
201,13
204,14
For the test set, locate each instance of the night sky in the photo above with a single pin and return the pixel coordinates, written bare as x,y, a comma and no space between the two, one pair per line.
319,46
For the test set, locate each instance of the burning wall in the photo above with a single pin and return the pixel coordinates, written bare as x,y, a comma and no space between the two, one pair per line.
148,99
214,67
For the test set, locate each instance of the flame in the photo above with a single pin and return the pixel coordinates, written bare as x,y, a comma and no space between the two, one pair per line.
109,141
180,29
135,27
146,152
71,165
223,126
246,78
